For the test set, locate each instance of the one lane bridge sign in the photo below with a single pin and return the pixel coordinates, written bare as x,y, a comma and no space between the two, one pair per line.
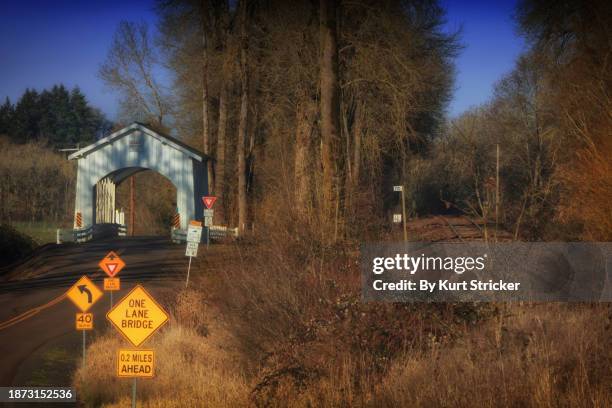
137,316
84,293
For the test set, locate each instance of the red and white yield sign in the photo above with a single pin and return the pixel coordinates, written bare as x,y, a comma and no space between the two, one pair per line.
111,264
209,201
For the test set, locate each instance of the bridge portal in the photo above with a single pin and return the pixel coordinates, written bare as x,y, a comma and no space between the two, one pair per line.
104,164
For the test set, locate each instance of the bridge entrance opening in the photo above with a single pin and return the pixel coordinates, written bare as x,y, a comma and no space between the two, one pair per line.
152,198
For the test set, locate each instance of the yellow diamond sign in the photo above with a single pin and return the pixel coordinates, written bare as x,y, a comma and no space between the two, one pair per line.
84,293
137,316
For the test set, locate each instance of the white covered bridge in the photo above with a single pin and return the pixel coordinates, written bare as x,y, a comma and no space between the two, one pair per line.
104,164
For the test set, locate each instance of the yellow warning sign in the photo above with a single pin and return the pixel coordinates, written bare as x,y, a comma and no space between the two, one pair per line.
112,284
84,321
84,294
111,264
137,316
136,363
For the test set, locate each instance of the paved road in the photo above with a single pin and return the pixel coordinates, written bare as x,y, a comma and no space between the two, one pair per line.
26,346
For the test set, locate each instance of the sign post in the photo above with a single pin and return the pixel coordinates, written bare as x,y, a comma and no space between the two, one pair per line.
194,236
84,293
400,189
208,201
134,393
208,222
137,316
111,264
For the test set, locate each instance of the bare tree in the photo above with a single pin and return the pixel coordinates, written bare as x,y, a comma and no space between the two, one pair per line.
205,16
329,103
129,69
244,114
306,115
223,30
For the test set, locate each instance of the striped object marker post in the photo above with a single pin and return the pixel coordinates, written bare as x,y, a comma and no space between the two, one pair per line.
176,221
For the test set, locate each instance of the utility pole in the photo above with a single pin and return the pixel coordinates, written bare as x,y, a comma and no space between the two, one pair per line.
400,189
496,191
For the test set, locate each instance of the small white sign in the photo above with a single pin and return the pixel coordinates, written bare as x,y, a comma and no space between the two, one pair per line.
397,218
398,188
208,221
192,249
194,233
208,213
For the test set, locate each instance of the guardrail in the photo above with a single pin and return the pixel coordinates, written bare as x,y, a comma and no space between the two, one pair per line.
220,232
179,236
90,232
98,231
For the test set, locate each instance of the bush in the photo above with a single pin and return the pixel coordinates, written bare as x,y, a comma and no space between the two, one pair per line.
36,183
294,304
542,356
13,245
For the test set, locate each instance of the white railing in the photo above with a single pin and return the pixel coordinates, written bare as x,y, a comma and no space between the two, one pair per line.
88,233
216,232
220,232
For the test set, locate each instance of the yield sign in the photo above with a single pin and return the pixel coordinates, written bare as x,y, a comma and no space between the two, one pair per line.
111,264
84,293
209,201
137,316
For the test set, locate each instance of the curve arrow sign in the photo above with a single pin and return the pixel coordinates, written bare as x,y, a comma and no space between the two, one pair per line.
84,289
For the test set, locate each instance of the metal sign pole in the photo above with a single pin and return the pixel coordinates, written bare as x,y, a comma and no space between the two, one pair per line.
404,215
84,334
134,393
207,237
111,298
188,269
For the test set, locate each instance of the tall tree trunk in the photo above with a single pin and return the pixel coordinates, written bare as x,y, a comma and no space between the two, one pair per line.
305,117
205,122
357,134
329,104
242,126
223,33
220,155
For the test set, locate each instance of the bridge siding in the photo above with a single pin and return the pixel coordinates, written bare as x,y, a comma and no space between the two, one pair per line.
186,173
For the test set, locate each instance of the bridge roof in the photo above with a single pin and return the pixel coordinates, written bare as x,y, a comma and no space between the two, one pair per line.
171,141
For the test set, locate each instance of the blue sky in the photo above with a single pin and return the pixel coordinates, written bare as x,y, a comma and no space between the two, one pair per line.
65,41
491,47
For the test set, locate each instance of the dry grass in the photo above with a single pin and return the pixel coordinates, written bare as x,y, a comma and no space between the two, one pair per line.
42,175
543,356
191,370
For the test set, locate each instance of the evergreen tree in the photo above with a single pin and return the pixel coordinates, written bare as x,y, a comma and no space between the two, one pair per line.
7,110
58,116
55,115
27,116
84,120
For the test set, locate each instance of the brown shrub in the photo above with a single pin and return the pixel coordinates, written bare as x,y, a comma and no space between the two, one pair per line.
304,334
543,356
190,310
36,183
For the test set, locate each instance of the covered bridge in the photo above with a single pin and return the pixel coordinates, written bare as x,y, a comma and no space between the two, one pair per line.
104,164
